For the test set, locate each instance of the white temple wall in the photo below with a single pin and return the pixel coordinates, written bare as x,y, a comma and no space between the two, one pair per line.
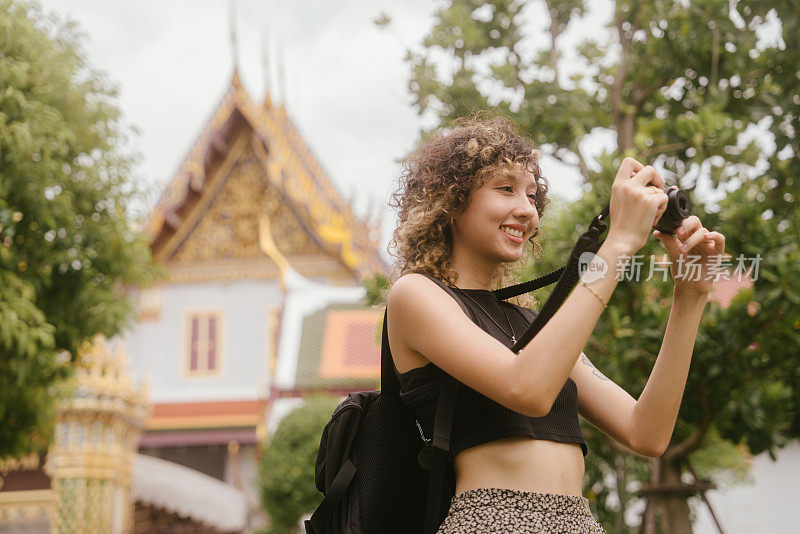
157,348
767,505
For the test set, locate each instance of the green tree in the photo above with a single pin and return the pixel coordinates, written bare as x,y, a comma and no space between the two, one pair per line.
67,247
676,84
376,290
286,473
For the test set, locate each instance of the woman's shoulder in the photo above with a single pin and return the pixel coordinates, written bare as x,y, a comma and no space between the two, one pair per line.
407,283
414,283
418,310
414,293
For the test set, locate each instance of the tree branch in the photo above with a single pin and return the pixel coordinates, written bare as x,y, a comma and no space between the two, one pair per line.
623,119
582,167
622,70
690,443
664,148
553,47
714,57
639,94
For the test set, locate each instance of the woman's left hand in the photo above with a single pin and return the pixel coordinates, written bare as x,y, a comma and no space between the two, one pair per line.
693,276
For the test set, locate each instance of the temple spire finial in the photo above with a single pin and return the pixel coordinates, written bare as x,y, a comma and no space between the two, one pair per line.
281,60
234,38
265,63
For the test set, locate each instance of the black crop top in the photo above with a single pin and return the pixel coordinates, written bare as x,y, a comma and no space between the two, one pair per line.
479,419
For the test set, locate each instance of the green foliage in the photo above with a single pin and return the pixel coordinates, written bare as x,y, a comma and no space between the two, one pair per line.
376,290
677,84
382,20
286,474
67,249
727,463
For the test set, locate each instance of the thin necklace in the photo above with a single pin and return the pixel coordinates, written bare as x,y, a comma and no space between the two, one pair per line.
512,335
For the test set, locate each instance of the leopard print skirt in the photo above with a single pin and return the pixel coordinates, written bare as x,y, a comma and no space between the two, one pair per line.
507,511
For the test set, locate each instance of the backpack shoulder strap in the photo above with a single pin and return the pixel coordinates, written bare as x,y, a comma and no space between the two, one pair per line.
316,523
442,429
389,382
443,423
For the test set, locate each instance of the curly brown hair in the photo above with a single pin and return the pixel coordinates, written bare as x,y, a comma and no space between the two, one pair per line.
436,182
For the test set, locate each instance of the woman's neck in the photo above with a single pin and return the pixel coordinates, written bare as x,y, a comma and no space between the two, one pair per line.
473,274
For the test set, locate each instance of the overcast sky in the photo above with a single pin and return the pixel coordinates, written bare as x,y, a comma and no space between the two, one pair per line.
172,61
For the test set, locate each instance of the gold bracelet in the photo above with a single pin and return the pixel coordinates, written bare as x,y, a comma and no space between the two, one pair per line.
593,293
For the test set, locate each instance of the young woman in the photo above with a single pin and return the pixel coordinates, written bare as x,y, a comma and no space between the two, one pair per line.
470,201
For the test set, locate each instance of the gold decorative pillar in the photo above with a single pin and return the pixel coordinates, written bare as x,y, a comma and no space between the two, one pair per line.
96,436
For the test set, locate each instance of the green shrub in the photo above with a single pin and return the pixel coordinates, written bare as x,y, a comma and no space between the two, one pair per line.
286,471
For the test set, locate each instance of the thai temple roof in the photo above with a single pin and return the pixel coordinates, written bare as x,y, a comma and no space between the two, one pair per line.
340,347
283,164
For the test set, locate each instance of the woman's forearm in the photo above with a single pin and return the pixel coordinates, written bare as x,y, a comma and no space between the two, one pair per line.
656,410
544,364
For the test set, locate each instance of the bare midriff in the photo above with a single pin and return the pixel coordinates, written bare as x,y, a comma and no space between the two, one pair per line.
516,462
521,463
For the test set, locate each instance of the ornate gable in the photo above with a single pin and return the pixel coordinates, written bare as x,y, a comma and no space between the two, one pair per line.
228,228
250,162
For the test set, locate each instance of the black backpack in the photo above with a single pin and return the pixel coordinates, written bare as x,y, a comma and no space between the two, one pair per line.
378,471
372,463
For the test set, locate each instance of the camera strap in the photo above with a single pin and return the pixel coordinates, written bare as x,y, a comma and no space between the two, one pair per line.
566,278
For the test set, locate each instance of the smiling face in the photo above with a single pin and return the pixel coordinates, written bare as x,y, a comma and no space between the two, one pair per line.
500,217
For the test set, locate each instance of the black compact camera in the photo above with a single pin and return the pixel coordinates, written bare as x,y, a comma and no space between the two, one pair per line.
679,207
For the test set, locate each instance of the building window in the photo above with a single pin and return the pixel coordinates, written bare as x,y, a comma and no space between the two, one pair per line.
203,343
150,304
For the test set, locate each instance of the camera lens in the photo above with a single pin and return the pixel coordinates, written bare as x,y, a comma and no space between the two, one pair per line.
679,207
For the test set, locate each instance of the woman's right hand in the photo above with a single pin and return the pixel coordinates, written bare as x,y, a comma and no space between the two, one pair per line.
634,207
